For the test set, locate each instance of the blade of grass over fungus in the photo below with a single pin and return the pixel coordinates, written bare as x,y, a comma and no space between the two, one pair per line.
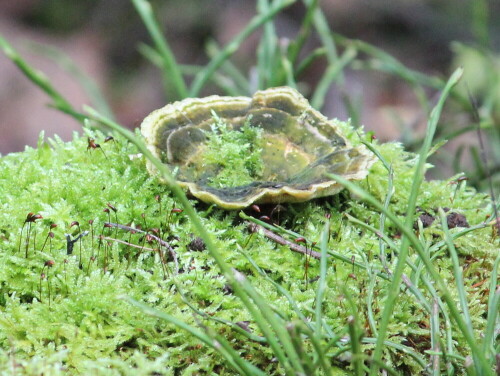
220,344
171,72
40,80
375,151
203,76
274,330
403,253
87,83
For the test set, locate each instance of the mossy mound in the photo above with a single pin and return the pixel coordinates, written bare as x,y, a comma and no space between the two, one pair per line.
63,313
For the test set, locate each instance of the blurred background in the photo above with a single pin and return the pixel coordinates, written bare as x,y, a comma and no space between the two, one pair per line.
101,37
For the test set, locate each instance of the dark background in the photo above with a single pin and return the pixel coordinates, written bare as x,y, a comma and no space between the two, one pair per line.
102,36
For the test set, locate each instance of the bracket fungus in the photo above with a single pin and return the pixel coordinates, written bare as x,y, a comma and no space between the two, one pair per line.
299,147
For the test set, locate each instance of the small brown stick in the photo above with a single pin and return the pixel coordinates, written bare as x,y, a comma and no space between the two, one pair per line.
159,240
129,244
252,227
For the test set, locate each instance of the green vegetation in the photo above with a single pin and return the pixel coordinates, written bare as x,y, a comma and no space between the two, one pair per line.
75,313
398,281
236,155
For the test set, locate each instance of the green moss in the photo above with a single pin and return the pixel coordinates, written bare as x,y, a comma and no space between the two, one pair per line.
73,317
234,154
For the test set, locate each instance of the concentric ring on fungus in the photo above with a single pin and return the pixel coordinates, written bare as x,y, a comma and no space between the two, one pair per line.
300,147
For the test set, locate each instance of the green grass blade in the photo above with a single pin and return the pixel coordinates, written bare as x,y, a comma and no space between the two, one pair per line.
280,289
355,335
288,70
331,73
219,344
405,349
417,181
375,151
434,321
224,82
305,29
457,271
353,107
281,333
320,292
387,201
266,50
424,257
40,80
388,241
228,86
492,327
170,71
325,34
202,77
86,82
150,53
229,70
309,59
230,353
479,22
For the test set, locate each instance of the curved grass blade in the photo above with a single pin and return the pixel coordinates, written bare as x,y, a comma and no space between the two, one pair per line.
40,80
86,82
170,71
332,72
